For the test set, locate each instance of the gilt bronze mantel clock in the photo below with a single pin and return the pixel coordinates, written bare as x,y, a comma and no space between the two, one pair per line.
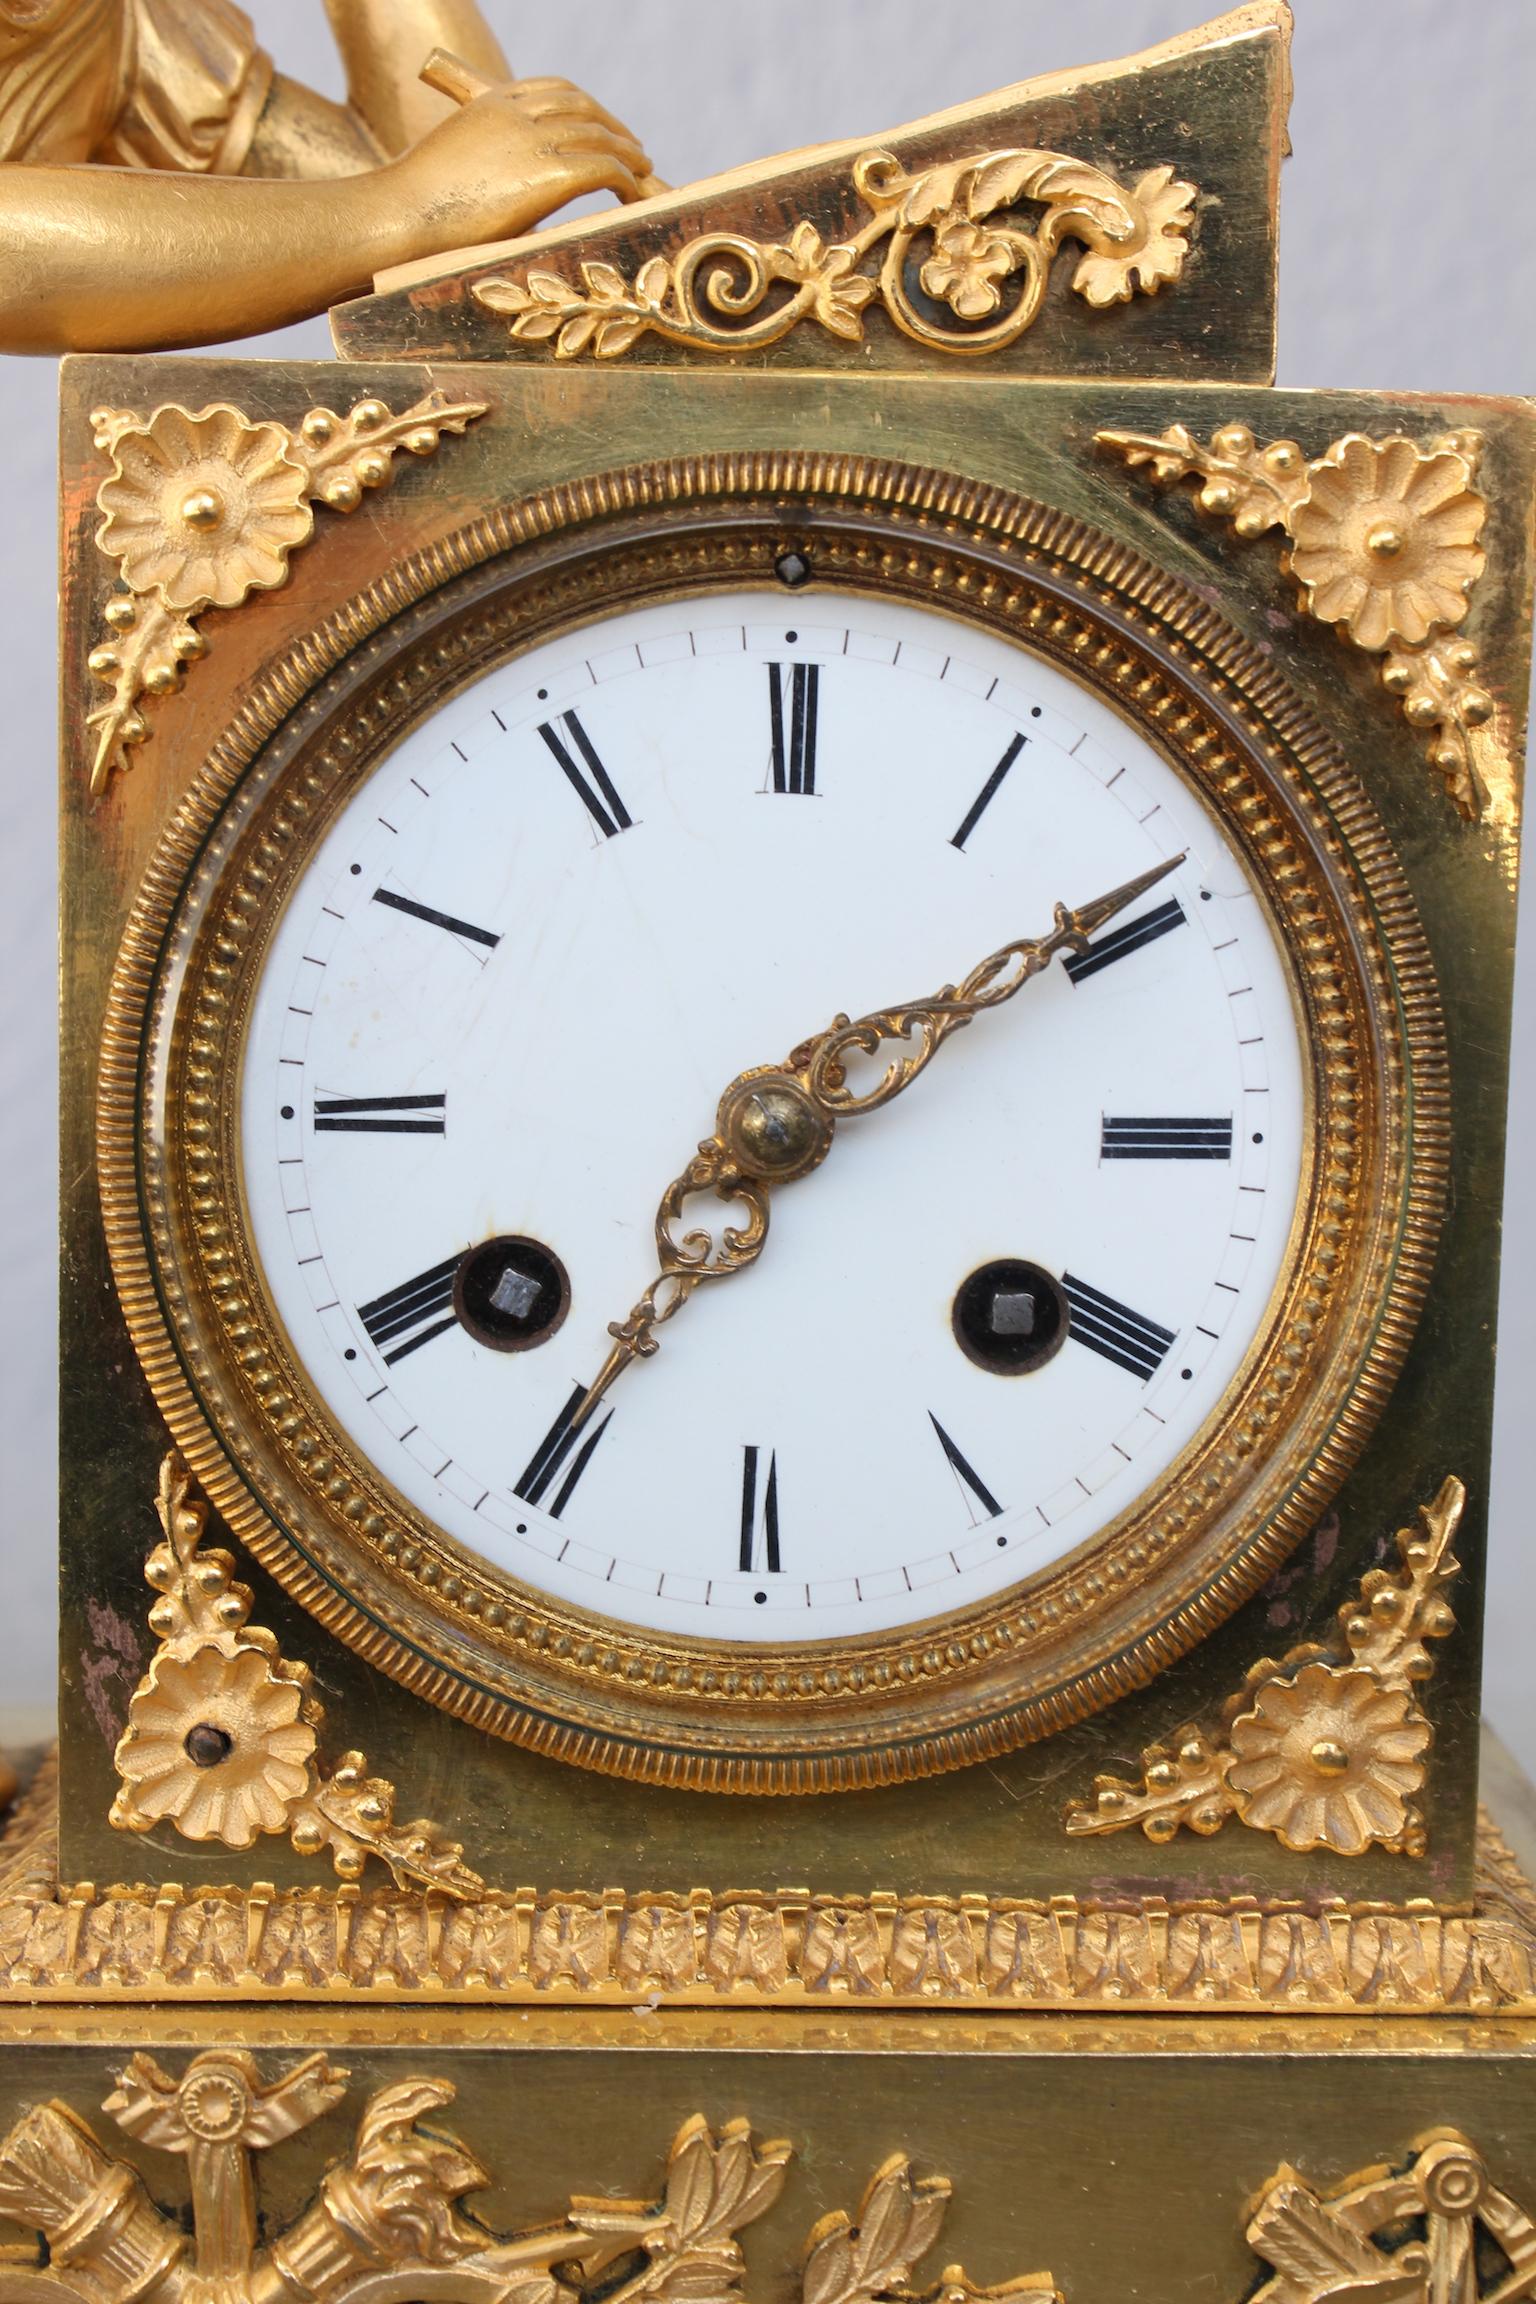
787,970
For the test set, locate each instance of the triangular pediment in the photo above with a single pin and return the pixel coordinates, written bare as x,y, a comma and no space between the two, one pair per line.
1114,221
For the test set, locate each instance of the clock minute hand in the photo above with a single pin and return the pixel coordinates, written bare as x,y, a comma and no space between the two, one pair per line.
776,1122
821,1063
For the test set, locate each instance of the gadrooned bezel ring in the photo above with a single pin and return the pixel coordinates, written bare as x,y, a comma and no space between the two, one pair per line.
978,1680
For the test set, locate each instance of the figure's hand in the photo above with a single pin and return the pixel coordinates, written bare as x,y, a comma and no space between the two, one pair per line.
510,157
776,1123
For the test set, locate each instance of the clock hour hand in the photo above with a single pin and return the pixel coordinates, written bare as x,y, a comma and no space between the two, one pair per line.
776,1122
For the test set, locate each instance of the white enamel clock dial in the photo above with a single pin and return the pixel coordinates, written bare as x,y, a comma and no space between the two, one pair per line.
505,997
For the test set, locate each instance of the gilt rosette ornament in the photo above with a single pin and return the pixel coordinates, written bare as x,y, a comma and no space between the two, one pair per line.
220,1744
201,510
1385,543
965,236
222,1741
1326,1748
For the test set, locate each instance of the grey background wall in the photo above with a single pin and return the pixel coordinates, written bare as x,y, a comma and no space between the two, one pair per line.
1408,260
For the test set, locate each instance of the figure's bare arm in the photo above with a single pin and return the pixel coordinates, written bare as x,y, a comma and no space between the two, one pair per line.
305,135
384,44
95,259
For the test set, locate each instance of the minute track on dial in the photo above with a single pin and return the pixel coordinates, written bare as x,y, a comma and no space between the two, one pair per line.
775,1123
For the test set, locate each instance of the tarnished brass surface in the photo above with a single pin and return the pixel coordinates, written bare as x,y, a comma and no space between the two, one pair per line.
1291,2064
391,2211
223,1731
530,1819
1469,2240
1383,544
786,1948
980,282
1326,1748
973,1682
954,203
392,2207
199,511
1145,2161
113,256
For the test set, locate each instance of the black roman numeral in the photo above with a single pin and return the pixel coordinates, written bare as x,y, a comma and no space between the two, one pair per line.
436,919
1124,938
971,1482
412,1314
381,1115
1166,1139
587,777
550,1457
988,793
793,718
1114,1331
754,1525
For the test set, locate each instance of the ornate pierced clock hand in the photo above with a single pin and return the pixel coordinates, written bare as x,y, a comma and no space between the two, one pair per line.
776,1122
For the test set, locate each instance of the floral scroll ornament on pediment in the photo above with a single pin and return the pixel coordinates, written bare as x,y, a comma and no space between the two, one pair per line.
223,1734
201,510
391,2211
958,258
1384,539
1325,1748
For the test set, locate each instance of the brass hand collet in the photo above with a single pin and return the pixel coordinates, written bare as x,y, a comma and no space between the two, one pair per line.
777,1122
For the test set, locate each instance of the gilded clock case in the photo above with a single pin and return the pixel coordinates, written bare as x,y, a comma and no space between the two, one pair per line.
1034,442
972,1682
